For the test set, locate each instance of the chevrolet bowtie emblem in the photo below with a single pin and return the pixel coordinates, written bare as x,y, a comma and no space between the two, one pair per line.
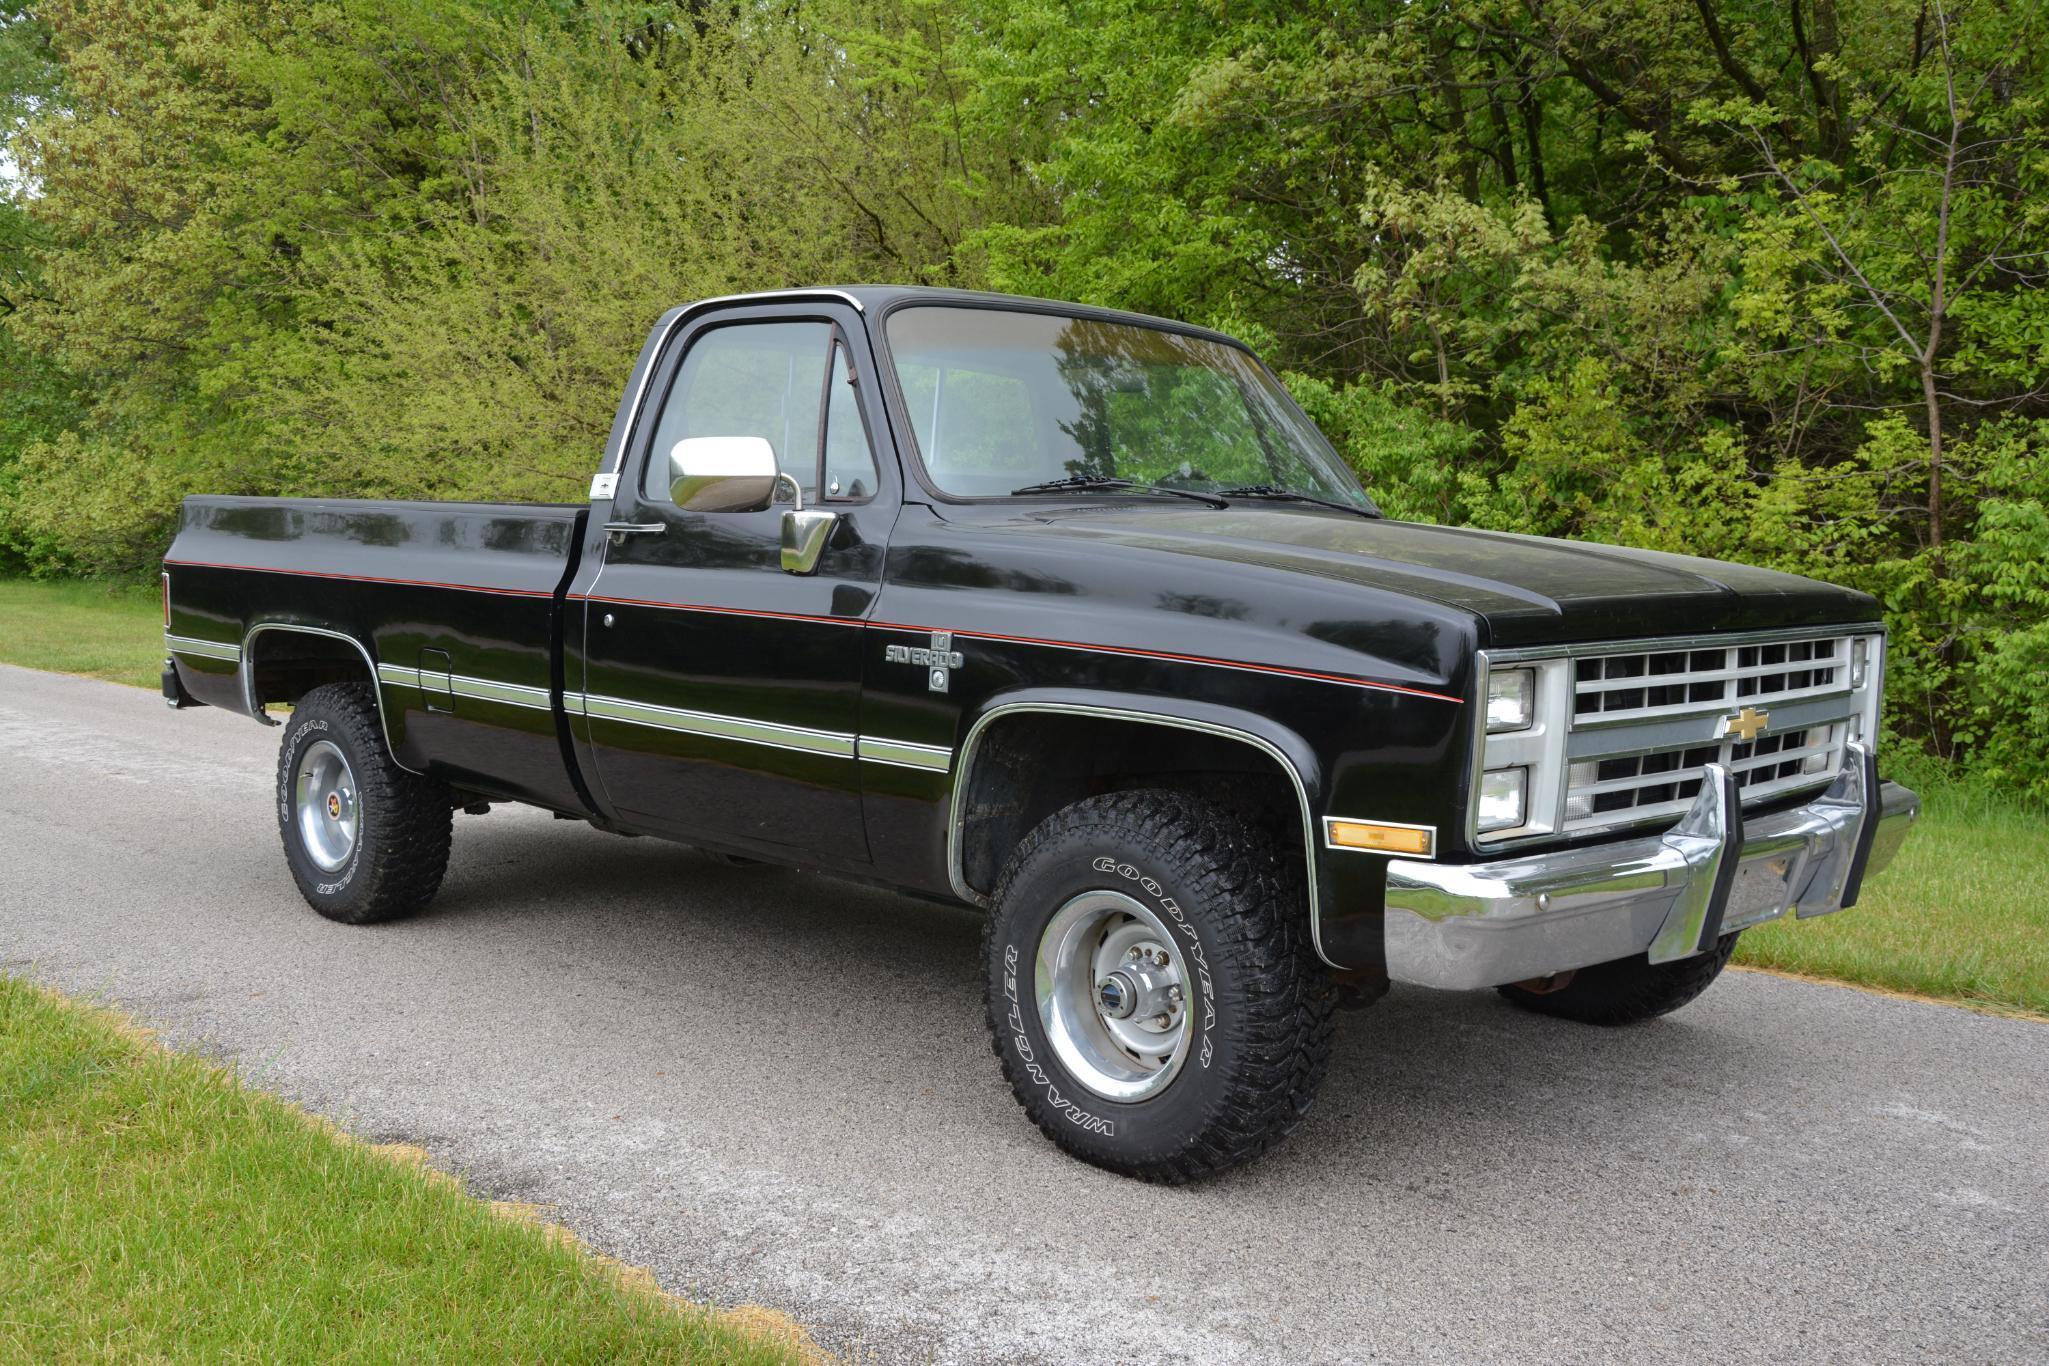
1748,724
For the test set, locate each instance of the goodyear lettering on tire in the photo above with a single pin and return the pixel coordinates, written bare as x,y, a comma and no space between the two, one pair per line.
1205,989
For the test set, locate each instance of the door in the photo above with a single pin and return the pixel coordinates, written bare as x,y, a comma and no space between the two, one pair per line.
721,692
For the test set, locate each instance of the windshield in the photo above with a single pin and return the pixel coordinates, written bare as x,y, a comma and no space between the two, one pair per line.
1003,400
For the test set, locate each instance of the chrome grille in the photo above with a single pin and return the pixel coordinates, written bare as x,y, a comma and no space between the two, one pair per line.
1644,722
1646,684
1664,782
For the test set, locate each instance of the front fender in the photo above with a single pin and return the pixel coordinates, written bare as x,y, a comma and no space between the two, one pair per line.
1283,746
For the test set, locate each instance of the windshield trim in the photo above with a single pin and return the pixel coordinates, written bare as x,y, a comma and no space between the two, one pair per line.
899,413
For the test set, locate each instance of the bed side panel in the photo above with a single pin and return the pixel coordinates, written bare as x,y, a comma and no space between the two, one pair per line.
456,604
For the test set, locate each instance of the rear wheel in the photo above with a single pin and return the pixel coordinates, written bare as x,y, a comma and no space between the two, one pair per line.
1153,996
365,840
1627,990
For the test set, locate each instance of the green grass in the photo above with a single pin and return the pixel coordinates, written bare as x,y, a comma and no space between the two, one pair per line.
83,628
1962,913
157,1209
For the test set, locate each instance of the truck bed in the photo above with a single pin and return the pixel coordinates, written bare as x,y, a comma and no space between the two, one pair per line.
457,608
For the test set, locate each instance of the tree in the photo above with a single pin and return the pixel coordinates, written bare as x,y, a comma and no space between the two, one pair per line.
1913,237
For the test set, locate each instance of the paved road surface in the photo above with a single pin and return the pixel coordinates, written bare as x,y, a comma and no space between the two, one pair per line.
773,1087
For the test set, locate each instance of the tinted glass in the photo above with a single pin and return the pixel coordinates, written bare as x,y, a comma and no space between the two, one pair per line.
1001,399
849,463
768,380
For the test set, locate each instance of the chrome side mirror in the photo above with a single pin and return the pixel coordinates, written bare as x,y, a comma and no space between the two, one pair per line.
805,531
722,474
738,474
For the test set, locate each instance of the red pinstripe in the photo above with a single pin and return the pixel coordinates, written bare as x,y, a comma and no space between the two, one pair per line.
1126,650
1129,650
367,578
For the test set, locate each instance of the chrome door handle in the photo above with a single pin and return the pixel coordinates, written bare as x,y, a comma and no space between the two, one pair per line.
619,531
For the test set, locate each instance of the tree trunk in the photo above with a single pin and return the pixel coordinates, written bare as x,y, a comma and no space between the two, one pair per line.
1934,404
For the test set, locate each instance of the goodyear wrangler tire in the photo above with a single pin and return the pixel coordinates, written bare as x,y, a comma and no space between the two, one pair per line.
1152,991
365,840
1628,990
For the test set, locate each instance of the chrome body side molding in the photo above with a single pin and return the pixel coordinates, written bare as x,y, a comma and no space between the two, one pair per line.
203,649
461,685
712,725
965,770
745,730
903,754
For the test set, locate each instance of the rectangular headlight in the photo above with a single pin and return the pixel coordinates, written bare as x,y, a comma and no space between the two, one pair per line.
1511,695
1501,798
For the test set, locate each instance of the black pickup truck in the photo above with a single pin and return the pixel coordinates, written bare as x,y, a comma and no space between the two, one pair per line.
1073,616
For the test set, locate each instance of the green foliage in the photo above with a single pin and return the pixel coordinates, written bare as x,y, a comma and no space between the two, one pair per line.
1731,279
2008,563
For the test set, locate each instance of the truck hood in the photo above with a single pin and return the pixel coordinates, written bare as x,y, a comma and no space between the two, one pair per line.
1524,590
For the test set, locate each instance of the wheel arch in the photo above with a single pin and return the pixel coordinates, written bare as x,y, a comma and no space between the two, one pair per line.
338,658
1264,745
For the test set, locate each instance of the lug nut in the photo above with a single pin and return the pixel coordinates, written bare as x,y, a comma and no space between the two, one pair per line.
1163,1019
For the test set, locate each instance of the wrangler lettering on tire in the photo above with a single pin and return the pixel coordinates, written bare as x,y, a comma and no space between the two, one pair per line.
1152,994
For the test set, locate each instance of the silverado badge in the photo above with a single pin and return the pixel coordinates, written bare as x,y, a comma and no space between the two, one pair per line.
938,661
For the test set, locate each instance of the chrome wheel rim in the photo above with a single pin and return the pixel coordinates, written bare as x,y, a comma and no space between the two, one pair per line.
324,805
1112,995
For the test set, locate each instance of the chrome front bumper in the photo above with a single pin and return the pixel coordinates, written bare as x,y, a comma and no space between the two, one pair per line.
1670,896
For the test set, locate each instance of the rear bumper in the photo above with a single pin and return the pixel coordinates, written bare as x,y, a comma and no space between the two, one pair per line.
1670,895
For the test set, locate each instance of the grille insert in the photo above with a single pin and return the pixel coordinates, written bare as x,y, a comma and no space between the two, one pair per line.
1647,684
1665,782
1673,695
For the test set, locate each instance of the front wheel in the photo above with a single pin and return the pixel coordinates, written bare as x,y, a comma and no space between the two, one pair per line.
365,839
1152,992
1628,990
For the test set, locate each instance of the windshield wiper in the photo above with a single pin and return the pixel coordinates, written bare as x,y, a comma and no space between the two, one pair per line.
1094,483
1279,494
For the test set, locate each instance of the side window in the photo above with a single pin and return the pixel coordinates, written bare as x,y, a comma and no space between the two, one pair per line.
849,460
768,380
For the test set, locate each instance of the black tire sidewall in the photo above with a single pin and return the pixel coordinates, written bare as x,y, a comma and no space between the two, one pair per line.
1071,863
336,892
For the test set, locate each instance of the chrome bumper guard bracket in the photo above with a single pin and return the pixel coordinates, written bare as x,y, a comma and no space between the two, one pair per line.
1668,896
1858,760
1708,842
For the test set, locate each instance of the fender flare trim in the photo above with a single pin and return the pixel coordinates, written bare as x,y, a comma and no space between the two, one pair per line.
248,671
964,773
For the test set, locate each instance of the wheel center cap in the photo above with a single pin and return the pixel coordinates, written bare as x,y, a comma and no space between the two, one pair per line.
1118,996
334,807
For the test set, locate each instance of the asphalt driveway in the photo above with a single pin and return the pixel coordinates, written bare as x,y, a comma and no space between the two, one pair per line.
772,1087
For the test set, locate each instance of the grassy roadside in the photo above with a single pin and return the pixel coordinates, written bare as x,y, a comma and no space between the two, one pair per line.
160,1210
1958,916
83,628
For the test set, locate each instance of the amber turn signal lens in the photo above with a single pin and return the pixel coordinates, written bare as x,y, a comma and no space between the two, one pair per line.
1381,839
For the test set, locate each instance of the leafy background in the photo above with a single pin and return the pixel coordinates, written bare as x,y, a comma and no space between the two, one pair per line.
1760,281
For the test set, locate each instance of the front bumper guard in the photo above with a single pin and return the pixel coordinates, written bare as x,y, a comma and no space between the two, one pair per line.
1670,896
